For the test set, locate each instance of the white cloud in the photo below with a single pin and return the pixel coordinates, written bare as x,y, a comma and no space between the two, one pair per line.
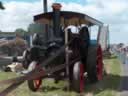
112,12
19,14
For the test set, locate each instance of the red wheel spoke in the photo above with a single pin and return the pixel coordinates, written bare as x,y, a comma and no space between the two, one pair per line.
37,83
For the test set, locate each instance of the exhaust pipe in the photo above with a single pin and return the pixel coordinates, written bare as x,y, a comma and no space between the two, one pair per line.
56,19
45,6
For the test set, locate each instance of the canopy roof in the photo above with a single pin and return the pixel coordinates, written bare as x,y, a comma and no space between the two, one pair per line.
68,18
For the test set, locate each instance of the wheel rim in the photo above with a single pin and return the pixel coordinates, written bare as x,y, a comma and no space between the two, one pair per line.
81,77
99,63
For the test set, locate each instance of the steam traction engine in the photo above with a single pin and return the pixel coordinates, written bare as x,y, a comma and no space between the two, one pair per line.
73,53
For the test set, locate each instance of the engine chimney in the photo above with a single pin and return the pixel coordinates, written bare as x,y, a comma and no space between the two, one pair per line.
56,19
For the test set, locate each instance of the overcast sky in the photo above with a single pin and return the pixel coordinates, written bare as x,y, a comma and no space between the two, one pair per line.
19,14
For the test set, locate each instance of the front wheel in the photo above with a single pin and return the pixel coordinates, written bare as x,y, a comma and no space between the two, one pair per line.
35,84
78,77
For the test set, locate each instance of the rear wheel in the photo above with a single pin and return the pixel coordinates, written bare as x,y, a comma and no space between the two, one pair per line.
99,63
94,64
78,77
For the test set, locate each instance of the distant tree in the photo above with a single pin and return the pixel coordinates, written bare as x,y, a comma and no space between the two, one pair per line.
20,31
1,6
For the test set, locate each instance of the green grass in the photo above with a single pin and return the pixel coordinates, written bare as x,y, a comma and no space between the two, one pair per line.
107,87
110,84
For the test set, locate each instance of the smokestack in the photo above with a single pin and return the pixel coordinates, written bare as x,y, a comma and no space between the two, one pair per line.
45,11
56,19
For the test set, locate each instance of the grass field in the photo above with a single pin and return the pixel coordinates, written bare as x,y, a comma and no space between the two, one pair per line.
107,87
